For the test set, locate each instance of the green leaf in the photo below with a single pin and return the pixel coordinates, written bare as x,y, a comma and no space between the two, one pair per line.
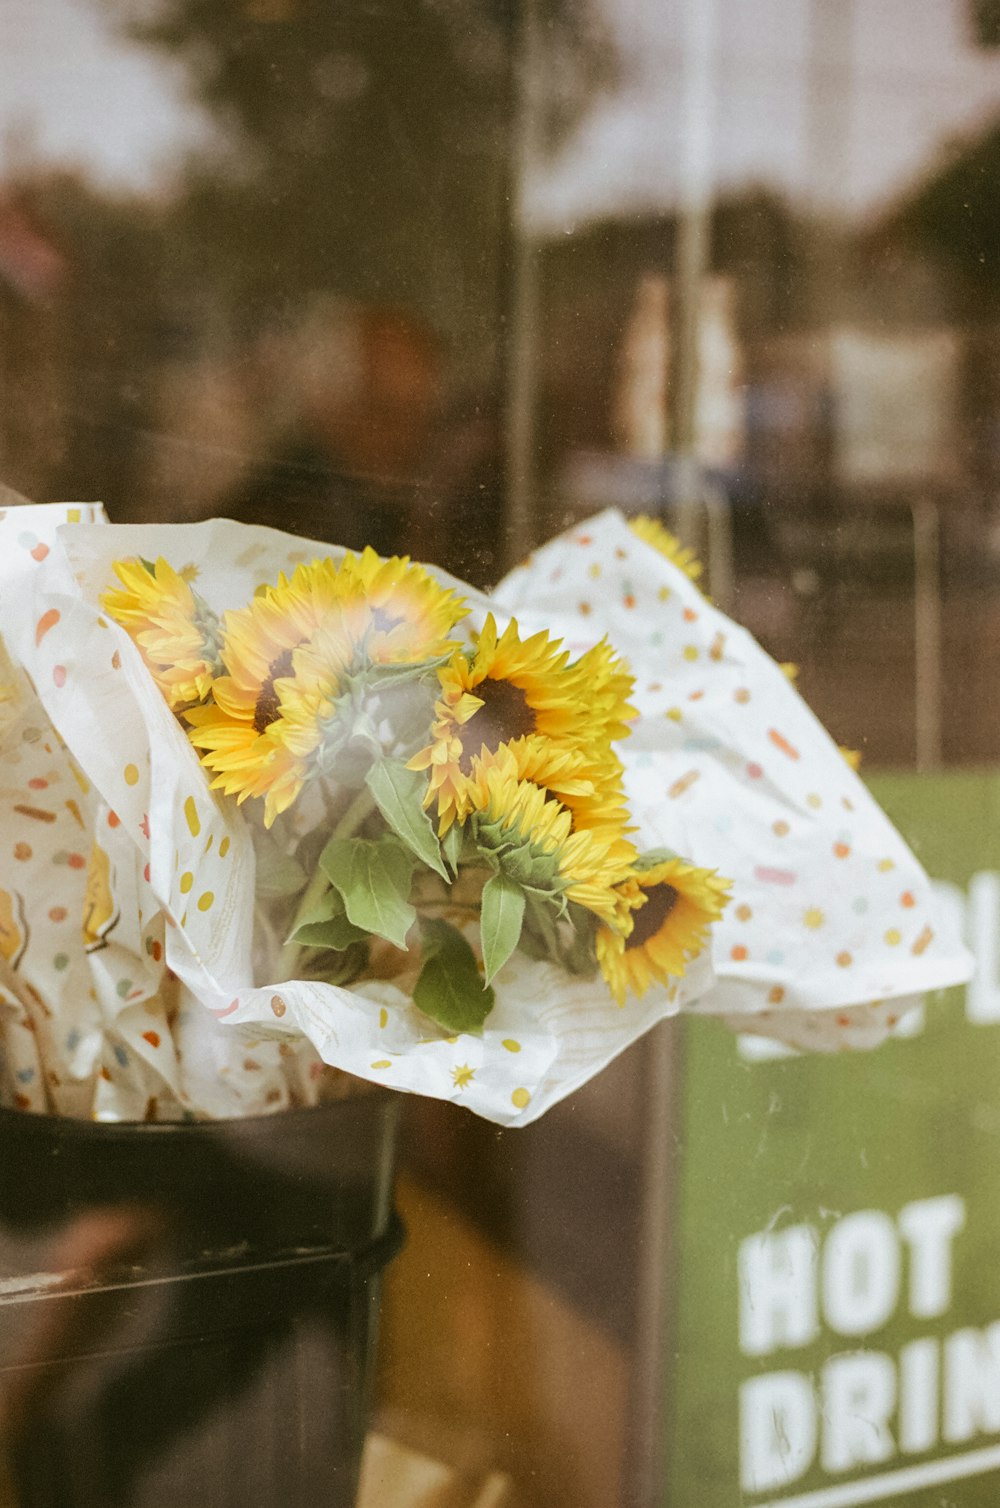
541,929
325,925
452,845
449,987
337,933
501,916
398,794
373,876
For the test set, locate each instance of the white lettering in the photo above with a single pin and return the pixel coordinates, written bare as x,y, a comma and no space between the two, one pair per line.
777,1430
919,1382
982,998
860,1273
930,1226
859,1395
777,1272
972,1383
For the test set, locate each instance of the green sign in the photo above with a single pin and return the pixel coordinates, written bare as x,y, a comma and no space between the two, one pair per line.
836,1327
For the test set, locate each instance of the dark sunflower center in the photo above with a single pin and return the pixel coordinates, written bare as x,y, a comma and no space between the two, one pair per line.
660,901
504,715
267,706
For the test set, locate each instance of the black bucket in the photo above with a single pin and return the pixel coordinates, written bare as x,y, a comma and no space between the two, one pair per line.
188,1311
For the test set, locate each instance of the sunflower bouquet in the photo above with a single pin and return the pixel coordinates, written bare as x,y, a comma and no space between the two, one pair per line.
425,797
285,817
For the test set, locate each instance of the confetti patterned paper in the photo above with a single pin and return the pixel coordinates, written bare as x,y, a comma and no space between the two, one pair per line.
145,1002
187,869
833,931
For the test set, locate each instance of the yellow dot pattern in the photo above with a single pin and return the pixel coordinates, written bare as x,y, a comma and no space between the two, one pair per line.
191,817
223,848
206,901
520,1098
187,880
511,1045
131,773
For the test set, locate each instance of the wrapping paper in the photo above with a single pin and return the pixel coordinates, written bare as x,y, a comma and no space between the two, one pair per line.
183,881
150,1006
833,931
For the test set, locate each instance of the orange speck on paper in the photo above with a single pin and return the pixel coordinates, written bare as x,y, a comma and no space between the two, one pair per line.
844,960
278,1006
841,850
908,899
843,1020
781,742
76,861
780,828
46,621
689,615
37,783
695,696
116,661
741,695
22,851
39,552
58,914
584,539
683,784
923,942
739,953
629,599
743,913
585,608
114,820
153,1038
620,554
776,995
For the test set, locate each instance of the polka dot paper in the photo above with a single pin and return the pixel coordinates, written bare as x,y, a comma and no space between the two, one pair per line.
186,868
833,926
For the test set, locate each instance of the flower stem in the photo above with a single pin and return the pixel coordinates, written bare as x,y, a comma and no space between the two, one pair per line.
353,817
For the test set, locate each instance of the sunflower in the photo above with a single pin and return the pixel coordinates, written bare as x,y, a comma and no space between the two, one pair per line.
533,840
652,532
174,630
673,906
509,689
394,610
260,733
588,784
606,682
